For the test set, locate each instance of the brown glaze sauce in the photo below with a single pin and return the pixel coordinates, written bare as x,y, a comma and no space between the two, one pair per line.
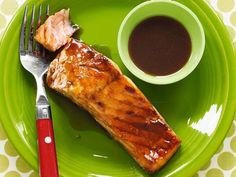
160,45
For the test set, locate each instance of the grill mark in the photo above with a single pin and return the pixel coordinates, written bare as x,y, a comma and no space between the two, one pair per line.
121,125
147,112
93,97
128,127
100,104
95,63
159,147
133,138
132,114
136,97
150,145
124,117
156,127
124,109
90,67
146,109
153,127
166,138
130,89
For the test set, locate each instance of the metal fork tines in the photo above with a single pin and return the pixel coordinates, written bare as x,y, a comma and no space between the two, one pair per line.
32,55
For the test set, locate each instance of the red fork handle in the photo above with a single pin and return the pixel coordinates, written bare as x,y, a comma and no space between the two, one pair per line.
46,148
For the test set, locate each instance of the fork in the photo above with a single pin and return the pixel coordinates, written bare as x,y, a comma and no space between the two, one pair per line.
33,59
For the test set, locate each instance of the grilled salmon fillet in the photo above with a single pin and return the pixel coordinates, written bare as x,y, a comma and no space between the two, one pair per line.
95,83
56,31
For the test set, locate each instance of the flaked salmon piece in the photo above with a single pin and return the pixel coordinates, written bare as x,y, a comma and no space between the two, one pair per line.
94,82
56,31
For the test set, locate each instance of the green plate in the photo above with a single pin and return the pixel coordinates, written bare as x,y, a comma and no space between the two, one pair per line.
199,108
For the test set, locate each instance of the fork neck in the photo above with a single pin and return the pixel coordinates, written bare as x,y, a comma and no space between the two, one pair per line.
41,98
42,106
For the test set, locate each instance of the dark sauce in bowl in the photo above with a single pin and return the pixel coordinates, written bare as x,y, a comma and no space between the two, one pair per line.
160,45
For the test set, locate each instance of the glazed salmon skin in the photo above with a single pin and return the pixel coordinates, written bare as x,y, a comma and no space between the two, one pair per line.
94,82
